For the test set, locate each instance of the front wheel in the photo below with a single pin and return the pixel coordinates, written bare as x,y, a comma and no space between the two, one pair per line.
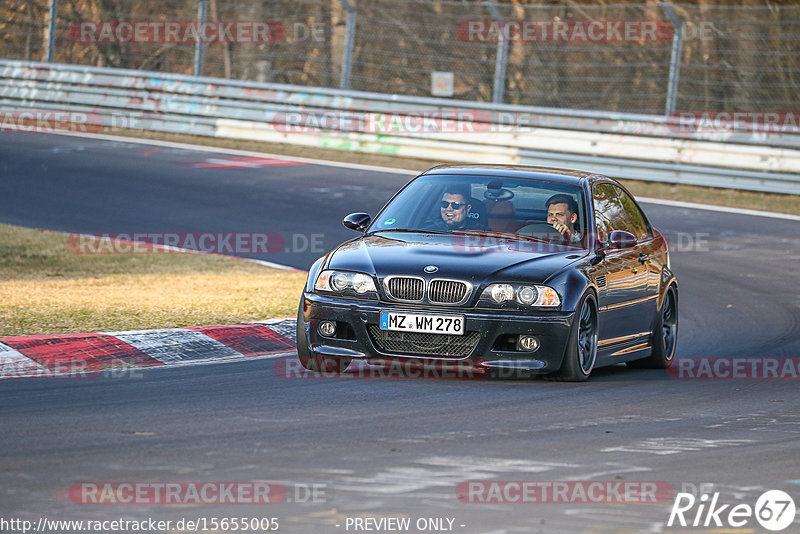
311,361
581,353
664,336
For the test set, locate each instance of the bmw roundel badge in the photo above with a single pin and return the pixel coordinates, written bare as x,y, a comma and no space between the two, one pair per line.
430,269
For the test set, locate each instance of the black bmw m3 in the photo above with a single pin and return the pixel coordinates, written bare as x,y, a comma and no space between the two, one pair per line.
551,271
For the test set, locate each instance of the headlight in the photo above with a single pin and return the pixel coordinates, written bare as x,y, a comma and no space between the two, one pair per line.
500,293
526,295
343,282
340,281
362,283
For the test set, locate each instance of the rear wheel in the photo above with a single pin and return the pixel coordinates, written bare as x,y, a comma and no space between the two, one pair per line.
581,353
311,361
664,336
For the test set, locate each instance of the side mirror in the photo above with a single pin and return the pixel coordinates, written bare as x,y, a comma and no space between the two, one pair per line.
357,221
621,239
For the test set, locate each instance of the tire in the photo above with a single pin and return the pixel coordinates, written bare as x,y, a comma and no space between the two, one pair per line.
581,352
665,335
311,361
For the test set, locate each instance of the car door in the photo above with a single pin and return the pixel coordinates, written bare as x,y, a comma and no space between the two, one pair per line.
626,279
646,248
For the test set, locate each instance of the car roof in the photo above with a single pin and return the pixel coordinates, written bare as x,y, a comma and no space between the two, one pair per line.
566,176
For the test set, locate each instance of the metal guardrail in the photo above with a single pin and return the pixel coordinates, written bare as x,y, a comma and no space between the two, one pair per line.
643,147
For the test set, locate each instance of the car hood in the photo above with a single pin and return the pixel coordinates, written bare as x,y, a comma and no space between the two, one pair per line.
475,258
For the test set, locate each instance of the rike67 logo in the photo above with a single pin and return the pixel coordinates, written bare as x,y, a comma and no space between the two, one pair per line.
774,510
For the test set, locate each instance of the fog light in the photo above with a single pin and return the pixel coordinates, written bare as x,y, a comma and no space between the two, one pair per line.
327,328
528,343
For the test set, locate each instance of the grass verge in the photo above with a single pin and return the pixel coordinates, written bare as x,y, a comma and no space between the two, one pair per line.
49,290
687,193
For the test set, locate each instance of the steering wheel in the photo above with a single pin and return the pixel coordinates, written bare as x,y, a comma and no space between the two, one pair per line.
543,231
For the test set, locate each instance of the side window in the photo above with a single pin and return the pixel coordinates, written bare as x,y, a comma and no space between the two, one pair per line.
635,216
608,211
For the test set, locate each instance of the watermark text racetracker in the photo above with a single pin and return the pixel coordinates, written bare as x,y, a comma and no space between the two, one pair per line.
542,241
458,121
580,31
563,492
564,31
728,122
73,369
733,368
173,493
50,121
290,368
194,31
137,493
177,31
232,243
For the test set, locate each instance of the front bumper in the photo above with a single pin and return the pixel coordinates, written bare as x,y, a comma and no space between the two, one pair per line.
353,339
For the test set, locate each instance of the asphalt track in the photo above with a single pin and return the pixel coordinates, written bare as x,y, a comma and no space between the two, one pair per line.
393,447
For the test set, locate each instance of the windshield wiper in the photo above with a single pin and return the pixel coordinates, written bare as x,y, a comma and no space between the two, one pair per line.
491,233
409,231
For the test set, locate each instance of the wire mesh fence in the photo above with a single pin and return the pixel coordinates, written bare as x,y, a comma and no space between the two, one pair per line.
614,57
741,57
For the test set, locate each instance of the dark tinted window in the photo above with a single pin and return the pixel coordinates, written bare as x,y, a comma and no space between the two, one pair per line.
635,215
506,205
608,211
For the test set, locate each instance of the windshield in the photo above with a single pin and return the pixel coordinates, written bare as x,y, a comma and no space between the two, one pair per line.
521,208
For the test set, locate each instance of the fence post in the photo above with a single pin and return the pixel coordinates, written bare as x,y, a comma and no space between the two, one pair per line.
675,58
51,31
349,42
502,55
200,46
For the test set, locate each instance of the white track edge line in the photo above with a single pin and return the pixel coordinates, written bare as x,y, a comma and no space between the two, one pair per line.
236,152
723,209
394,170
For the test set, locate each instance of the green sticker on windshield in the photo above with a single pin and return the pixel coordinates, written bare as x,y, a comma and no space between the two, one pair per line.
387,222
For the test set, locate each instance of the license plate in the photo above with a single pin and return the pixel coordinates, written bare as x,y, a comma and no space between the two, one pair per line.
429,324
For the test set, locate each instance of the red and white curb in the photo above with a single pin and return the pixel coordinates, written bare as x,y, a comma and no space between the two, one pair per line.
76,355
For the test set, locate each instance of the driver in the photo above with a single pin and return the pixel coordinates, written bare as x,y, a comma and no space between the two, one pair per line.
562,213
454,209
